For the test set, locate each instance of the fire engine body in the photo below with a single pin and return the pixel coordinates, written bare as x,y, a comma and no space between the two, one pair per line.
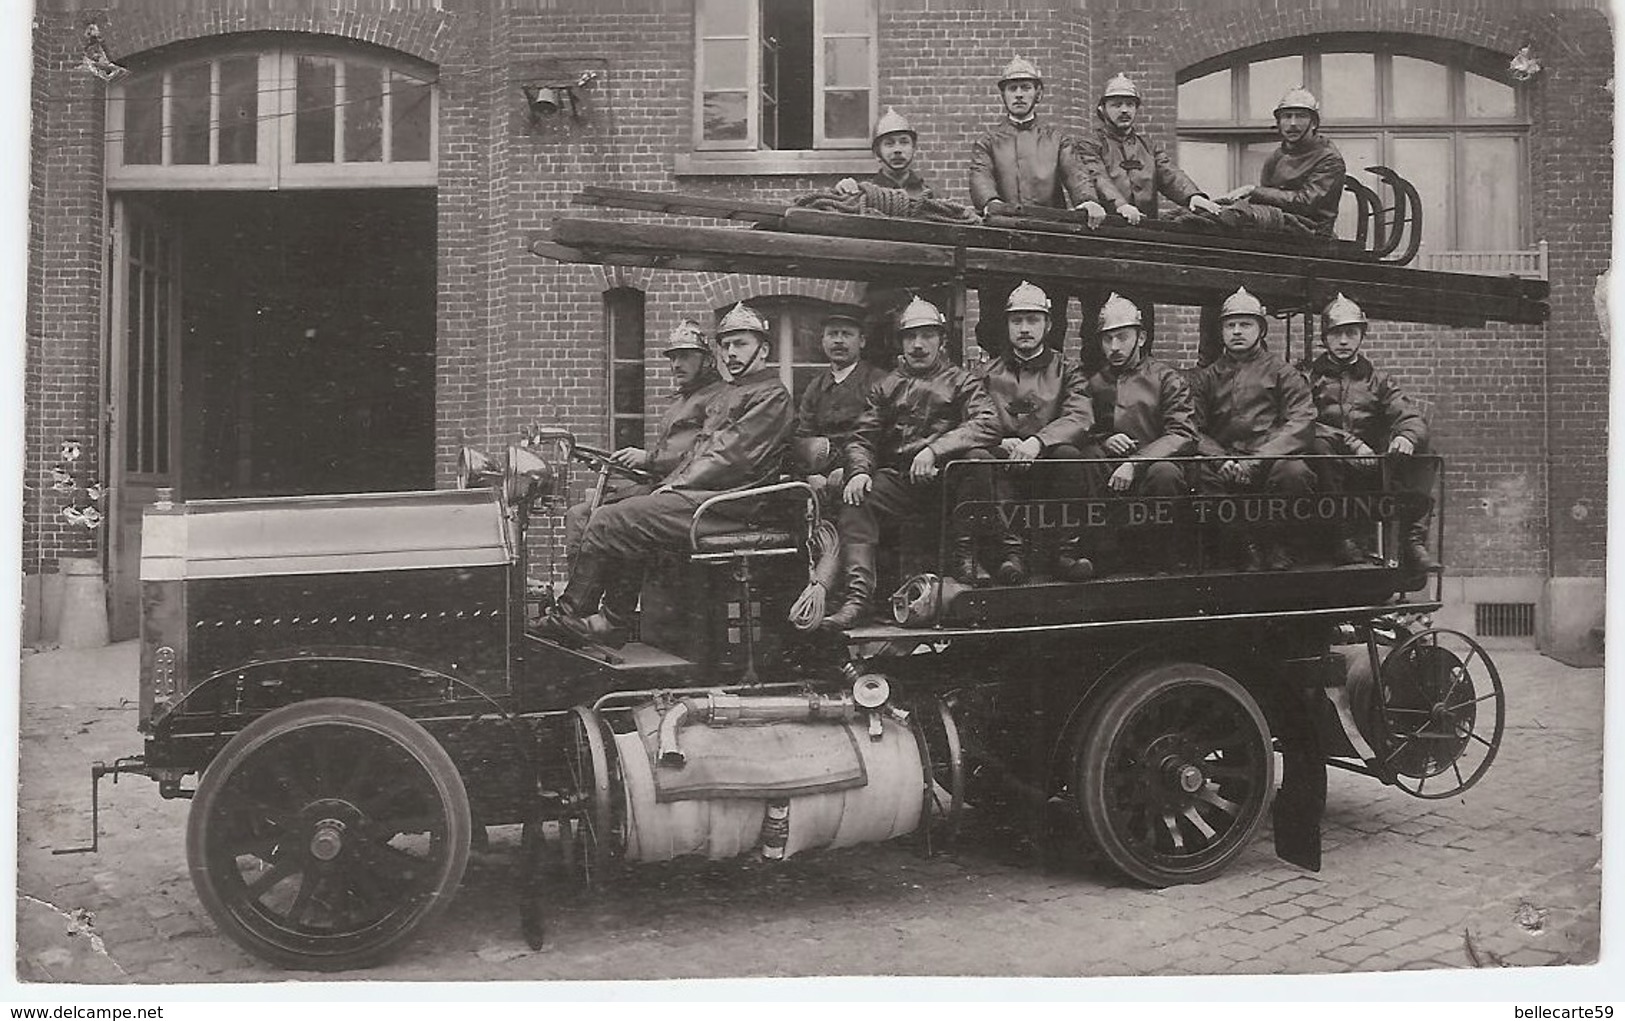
349,690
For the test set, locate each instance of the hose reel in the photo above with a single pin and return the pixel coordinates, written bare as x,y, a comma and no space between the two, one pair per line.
1434,713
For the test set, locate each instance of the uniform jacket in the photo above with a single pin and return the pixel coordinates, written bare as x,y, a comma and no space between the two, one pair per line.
943,407
1150,402
680,423
831,409
1042,397
1357,399
1132,169
1305,182
1030,164
1255,404
910,182
747,425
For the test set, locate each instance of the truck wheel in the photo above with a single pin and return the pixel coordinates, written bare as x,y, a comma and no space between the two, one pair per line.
326,832
1175,770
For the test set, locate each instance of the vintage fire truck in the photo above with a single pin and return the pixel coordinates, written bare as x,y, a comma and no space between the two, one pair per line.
350,689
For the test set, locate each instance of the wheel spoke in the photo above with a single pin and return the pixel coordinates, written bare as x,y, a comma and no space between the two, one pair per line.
359,772
1172,826
271,877
1212,797
1455,764
1463,705
1195,819
1395,753
1480,740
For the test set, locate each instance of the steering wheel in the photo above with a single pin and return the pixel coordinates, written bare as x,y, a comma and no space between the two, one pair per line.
600,460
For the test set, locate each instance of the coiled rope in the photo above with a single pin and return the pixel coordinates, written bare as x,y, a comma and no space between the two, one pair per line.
807,613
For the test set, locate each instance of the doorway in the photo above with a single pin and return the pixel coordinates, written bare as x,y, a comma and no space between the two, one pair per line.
267,344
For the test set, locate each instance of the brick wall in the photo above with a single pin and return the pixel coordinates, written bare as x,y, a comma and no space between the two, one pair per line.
522,339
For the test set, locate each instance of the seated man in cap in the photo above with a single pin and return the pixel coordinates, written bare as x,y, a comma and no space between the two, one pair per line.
1043,412
1128,169
1250,403
1364,414
917,418
747,426
1020,161
831,402
1143,415
694,371
1301,183
894,144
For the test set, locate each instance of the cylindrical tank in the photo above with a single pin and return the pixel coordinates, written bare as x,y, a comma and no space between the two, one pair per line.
887,805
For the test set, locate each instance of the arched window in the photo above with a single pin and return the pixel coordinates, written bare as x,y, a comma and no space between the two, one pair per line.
252,116
1446,118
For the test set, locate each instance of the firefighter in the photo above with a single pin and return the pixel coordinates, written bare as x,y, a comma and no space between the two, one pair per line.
694,371
1363,414
1143,415
1127,169
918,418
1250,403
832,400
741,443
1043,412
894,144
1301,184
1022,162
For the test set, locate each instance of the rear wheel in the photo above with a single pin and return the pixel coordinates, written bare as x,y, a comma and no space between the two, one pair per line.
326,833
1175,770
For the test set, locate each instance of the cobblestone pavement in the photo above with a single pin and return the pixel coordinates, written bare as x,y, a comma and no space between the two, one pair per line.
1509,874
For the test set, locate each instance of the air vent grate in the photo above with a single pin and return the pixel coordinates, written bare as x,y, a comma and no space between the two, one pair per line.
1504,620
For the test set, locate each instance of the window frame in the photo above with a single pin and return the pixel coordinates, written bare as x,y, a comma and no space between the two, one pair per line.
276,116
618,302
1385,126
734,155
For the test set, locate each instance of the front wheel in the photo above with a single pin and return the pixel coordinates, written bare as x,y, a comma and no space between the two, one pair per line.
326,833
1174,770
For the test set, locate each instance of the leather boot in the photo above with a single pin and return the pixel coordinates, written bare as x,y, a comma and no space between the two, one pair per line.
962,559
565,621
860,587
1012,569
1070,564
1414,554
612,623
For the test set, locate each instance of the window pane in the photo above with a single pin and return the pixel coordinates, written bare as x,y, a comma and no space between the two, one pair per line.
725,116
1421,89
363,113
1267,82
725,17
313,120
1252,160
846,62
189,114
846,114
626,326
1492,201
1348,86
726,63
239,109
409,110
846,16
1207,163
1425,162
1206,98
1487,97
629,388
143,119
1359,152
628,432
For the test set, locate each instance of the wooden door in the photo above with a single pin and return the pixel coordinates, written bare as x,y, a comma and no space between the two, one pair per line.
144,392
